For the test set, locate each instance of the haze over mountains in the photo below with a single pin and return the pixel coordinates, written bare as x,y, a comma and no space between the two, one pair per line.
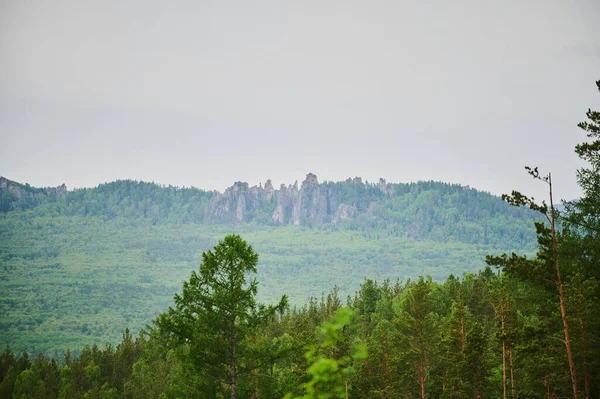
79,265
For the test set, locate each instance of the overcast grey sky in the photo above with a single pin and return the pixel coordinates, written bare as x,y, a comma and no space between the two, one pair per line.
207,93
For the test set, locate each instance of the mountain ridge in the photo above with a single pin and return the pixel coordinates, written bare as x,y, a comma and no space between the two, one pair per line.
312,203
423,210
77,264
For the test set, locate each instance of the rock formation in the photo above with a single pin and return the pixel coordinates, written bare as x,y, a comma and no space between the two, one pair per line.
309,204
20,191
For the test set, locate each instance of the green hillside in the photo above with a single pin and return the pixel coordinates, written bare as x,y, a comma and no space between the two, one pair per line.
77,266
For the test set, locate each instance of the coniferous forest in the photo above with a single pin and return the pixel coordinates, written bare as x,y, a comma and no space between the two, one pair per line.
521,322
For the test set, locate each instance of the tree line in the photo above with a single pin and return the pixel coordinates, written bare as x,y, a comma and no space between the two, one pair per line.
424,210
486,335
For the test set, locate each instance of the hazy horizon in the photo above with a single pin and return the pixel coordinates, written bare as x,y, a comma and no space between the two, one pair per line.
203,95
276,185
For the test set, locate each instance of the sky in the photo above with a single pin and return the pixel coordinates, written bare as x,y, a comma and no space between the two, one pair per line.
201,93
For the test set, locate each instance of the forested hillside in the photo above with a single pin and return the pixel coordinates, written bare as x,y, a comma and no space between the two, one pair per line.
81,267
423,211
483,335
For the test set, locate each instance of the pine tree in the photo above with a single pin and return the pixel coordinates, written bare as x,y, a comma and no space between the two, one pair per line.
418,326
217,312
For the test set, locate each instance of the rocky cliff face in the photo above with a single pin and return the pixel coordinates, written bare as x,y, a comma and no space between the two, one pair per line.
21,191
236,204
309,204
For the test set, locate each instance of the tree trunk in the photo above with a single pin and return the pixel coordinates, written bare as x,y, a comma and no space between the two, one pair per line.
563,315
512,375
255,394
561,297
347,388
547,386
503,359
232,366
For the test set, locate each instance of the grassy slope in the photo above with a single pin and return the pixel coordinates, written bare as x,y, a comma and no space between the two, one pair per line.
70,281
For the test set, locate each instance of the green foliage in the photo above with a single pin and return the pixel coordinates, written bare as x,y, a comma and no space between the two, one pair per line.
443,338
329,375
217,313
153,370
72,281
77,266
423,211
122,198
562,273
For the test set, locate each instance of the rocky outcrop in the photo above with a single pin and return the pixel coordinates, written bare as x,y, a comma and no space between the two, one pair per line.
307,204
313,202
387,189
7,185
20,191
269,190
287,210
294,195
236,205
344,212
60,191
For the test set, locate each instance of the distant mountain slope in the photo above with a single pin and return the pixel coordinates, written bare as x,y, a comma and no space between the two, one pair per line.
15,196
77,266
424,210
